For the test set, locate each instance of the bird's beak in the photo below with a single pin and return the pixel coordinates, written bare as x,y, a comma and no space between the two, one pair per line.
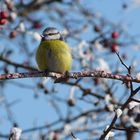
42,36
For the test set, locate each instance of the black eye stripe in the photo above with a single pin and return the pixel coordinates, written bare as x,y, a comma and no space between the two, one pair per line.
51,33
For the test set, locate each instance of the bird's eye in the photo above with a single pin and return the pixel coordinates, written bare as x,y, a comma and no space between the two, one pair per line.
50,34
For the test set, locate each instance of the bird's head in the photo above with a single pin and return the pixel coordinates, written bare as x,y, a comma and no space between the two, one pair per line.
51,33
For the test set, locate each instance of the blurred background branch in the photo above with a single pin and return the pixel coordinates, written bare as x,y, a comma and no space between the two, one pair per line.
95,30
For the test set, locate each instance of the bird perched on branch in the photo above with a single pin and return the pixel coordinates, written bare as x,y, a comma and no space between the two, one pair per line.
53,53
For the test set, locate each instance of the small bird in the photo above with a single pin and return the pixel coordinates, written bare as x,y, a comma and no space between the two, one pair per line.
53,53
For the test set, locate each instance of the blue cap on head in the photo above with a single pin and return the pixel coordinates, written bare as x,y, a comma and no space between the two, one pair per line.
51,33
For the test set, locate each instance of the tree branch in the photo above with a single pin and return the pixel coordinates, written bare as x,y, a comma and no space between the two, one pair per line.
95,74
16,64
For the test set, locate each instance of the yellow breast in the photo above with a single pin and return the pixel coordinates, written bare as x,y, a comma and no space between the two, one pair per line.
54,55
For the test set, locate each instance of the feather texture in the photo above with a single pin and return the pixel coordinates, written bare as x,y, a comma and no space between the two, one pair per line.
54,55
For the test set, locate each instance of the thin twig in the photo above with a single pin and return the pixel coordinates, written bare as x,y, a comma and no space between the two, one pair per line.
124,129
16,64
133,92
135,100
122,61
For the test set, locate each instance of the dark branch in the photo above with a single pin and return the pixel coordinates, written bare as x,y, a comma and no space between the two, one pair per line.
16,64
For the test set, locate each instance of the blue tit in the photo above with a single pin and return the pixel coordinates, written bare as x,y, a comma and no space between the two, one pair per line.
53,53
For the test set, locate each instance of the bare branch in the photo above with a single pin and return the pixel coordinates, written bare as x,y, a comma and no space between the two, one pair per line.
16,64
122,61
95,74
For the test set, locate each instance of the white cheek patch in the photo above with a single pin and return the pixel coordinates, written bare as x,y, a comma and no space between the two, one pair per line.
53,37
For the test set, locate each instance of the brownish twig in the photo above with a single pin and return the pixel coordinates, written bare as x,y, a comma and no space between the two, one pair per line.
16,64
122,61
132,93
111,126
126,129
135,100
95,74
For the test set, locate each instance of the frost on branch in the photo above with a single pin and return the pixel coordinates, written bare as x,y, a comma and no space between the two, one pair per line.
15,133
110,134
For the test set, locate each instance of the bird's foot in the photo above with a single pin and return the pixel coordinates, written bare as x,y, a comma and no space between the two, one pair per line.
47,71
64,78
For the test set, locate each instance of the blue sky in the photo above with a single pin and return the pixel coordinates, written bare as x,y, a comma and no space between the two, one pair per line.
30,111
